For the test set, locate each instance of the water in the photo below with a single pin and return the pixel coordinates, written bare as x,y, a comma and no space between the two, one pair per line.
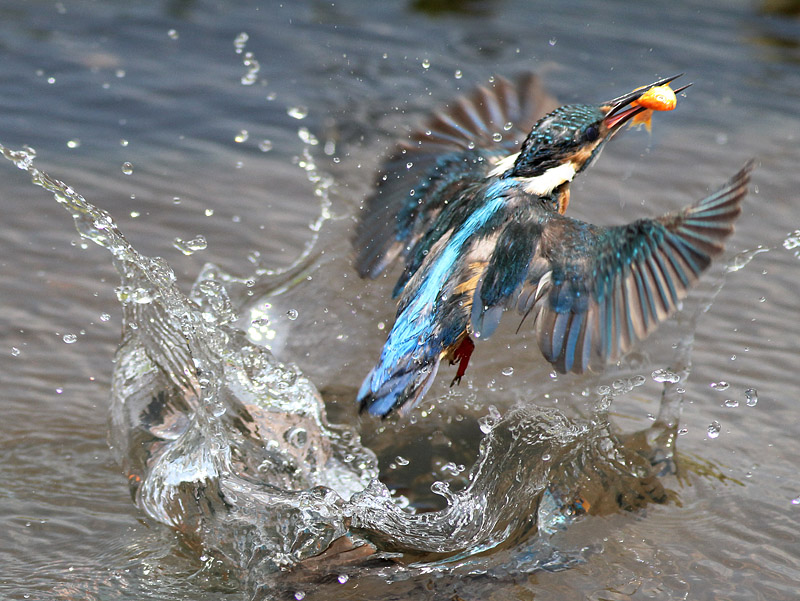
170,89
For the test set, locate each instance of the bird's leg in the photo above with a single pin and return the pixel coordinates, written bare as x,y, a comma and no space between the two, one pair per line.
461,356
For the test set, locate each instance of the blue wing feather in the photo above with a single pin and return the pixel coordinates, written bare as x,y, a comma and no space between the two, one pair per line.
636,275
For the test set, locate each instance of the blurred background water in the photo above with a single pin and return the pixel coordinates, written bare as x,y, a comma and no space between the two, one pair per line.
156,112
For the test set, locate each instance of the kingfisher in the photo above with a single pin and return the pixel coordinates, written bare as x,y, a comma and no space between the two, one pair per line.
474,205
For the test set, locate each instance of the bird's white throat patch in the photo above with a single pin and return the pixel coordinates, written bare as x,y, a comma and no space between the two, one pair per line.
543,184
540,185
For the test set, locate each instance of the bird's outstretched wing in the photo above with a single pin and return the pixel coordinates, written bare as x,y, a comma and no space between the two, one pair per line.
454,150
590,292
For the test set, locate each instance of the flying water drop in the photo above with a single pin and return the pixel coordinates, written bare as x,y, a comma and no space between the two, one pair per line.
188,247
665,376
297,112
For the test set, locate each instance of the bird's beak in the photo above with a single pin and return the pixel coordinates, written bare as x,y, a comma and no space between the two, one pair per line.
619,111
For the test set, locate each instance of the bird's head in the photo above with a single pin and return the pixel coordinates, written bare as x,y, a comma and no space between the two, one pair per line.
567,140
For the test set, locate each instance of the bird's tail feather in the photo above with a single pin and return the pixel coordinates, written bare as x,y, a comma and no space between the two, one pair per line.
400,390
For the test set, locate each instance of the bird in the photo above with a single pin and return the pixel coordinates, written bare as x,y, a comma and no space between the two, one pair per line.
474,205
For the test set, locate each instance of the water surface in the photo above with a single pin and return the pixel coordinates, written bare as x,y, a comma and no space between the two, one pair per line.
268,166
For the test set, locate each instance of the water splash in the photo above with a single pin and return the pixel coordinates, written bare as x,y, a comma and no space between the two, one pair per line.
208,425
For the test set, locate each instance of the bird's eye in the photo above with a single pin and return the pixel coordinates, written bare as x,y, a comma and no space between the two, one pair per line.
591,133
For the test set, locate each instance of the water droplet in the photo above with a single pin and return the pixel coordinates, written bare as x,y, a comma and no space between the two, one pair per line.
400,460
751,397
240,41
450,468
260,322
731,403
173,34
70,338
664,375
253,67
508,125
15,351
307,137
792,241
721,385
123,142
188,247
552,41
104,317
714,429
297,112
426,64
796,500
265,145
683,431
440,488
497,137
508,371
209,212
297,437
73,143
343,578
127,168
292,314
299,595
487,422
242,136
458,74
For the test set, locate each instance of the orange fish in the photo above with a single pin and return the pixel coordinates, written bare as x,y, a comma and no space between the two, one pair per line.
657,98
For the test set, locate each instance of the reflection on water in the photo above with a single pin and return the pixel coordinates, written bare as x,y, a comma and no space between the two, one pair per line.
234,450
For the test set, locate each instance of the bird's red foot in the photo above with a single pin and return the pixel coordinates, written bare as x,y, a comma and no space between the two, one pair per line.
461,356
